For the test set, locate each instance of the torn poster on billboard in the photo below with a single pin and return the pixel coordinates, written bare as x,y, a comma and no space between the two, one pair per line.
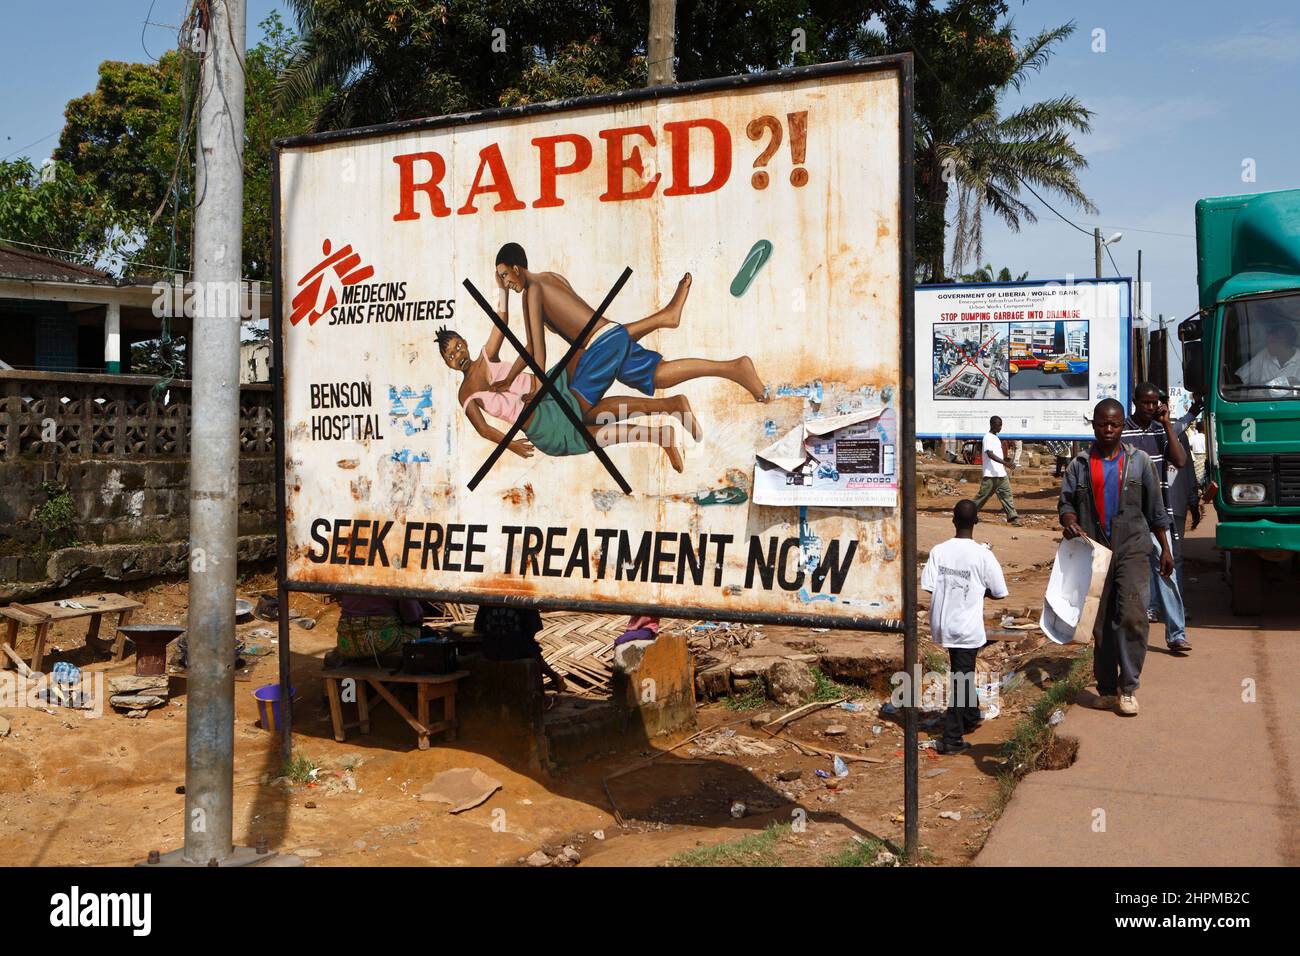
832,461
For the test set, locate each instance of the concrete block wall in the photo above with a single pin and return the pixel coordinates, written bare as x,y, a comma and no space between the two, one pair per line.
118,501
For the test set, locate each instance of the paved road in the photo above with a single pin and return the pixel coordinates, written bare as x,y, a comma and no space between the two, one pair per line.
1200,777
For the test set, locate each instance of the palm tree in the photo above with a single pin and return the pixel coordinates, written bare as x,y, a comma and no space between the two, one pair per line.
966,60
994,156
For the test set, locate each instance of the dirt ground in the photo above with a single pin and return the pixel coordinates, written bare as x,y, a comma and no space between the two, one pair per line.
77,789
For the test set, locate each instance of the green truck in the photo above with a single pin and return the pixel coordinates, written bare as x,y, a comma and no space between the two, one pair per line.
1240,354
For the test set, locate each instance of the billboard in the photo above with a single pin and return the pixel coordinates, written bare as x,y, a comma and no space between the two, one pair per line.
637,351
1037,354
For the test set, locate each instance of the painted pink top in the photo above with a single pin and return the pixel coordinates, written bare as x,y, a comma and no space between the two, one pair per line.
505,406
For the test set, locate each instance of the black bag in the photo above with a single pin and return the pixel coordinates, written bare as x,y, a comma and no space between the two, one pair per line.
429,655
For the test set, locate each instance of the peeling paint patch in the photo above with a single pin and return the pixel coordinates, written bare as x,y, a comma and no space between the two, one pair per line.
519,496
405,456
811,392
769,428
604,500
738,478
814,598
410,410
348,463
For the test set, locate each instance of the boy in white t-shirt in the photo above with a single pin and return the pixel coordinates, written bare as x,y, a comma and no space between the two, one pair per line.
995,472
958,575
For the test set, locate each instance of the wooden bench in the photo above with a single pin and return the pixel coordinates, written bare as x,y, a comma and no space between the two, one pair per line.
429,687
41,616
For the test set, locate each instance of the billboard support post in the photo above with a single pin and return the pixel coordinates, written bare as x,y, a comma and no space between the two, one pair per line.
907,487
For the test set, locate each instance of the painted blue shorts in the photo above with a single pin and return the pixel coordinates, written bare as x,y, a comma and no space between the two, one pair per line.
613,355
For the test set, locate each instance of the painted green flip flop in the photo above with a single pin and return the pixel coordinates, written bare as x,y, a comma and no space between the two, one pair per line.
749,268
730,495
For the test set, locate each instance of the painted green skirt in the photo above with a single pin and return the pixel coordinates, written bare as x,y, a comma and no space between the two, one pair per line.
367,638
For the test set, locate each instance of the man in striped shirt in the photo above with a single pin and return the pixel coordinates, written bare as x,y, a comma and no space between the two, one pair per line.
1151,429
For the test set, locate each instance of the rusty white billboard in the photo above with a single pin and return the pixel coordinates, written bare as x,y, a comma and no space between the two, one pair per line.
1039,355
635,352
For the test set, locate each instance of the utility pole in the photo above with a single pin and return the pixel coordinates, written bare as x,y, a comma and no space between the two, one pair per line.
1096,241
1140,335
662,44
214,445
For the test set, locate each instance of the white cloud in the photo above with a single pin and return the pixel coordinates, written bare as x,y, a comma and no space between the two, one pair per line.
1126,122
1275,41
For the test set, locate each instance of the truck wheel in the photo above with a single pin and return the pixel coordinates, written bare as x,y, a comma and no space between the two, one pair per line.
1246,575
1075,379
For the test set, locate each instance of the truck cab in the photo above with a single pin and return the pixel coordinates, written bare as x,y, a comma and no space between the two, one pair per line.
1241,354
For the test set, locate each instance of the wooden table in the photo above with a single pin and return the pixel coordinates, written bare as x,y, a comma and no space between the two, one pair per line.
429,687
41,616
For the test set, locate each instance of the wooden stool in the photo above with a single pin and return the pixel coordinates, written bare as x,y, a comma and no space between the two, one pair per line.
429,687
43,615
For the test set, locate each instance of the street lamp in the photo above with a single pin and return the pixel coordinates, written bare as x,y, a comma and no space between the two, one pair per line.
1098,243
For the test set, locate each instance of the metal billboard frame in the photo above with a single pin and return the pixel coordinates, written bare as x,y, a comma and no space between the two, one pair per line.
899,64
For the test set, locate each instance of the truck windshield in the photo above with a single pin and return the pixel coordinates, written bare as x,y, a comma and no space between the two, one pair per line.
1261,349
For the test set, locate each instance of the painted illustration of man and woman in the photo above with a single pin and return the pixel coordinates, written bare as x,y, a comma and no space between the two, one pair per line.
491,388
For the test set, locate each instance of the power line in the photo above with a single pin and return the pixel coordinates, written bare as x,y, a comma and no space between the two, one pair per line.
83,255
143,27
31,144
1086,232
1112,260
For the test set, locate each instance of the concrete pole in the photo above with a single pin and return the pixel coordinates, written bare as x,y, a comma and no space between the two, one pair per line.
662,45
214,448
113,338
1096,241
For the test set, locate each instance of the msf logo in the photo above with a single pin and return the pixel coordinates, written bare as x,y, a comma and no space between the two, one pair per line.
322,287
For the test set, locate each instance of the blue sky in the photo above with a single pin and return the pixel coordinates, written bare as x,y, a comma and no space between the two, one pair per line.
1184,93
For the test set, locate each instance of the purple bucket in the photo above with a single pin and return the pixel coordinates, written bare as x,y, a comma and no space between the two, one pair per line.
268,705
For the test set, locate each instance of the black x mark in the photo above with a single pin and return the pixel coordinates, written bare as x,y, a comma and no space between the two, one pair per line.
548,384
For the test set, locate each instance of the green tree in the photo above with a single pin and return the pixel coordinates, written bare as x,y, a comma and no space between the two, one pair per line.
54,209
985,273
132,138
383,60
122,139
966,60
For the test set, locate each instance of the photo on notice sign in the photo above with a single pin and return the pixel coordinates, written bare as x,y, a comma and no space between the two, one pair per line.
1049,360
970,361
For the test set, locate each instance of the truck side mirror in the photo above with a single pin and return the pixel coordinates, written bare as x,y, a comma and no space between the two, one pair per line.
1189,333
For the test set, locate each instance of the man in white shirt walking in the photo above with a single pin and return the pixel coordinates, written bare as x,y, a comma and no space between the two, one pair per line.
958,575
995,473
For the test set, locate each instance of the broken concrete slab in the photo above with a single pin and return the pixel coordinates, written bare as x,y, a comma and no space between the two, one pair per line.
136,702
156,685
463,788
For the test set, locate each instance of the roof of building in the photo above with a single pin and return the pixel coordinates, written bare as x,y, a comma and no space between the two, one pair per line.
25,264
